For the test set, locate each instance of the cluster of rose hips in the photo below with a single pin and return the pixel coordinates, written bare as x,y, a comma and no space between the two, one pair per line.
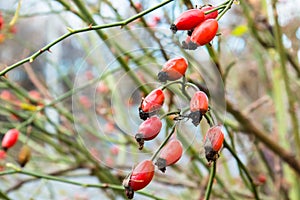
203,28
5,30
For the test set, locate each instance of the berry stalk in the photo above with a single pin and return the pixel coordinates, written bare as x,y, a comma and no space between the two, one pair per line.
164,142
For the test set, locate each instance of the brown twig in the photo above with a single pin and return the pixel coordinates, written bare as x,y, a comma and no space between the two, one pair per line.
35,80
252,128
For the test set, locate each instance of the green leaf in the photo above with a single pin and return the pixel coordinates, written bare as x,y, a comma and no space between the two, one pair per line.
239,30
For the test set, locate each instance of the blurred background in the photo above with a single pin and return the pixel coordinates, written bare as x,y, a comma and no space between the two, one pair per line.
92,84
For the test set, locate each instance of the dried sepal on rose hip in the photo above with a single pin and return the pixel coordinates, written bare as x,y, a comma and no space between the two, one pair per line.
169,154
10,139
205,32
151,104
198,107
213,142
188,44
139,178
188,20
173,69
212,15
148,130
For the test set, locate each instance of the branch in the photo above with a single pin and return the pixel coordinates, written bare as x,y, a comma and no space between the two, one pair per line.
72,32
251,128
243,167
16,170
211,180
56,173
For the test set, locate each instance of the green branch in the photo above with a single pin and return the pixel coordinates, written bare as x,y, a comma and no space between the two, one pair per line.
211,180
242,166
16,170
284,71
72,32
251,128
164,142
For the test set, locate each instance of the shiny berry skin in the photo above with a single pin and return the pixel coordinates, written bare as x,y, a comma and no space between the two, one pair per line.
170,154
173,69
10,139
148,130
212,15
151,104
213,142
188,20
198,107
205,32
139,178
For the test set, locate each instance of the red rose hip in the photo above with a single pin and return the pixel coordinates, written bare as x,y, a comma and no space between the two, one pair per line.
151,104
10,139
139,178
213,142
212,15
148,130
198,107
188,20
173,69
169,155
205,32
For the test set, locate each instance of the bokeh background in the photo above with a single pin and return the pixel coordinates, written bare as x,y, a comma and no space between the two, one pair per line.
93,82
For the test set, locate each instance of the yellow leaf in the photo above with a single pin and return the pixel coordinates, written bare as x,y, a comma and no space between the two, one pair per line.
239,30
26,106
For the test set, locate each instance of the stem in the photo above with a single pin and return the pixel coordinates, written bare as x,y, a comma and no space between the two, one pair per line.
164,142
192,85
211,180
214,9
54,178
170,83
72,32
152,33
251,128
195,155
210,123
284,71
241,165
4,196
263,42
228,6
169,113
183,90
